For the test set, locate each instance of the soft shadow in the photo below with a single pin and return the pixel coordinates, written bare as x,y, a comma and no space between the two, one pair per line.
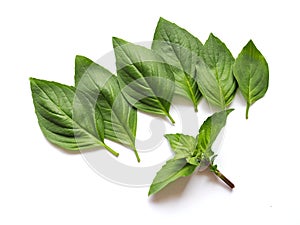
173,191
176,189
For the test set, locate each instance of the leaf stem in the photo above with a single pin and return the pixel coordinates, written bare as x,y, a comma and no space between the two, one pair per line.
195,107
170,117
136,154
111,150
247,110
214,169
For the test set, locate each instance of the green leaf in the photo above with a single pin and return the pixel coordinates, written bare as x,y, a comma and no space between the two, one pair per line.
209,131
171,171
180,49
120,118
146,81
252,74
183,145
66,118
215,77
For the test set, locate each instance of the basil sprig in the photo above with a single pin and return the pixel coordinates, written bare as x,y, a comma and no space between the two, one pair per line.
190,152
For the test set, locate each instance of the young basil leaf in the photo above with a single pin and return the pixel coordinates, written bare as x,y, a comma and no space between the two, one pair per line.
183,145
190,152
171,171
146,81
120,119
66,118
215,78
209,131
180,49
252,74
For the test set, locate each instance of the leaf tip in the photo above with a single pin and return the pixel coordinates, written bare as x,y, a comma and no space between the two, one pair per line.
212,36
152,190
212,39
35,81
79,57
118,41
115,41
31,79
32,82
228,111
81,60
250,45
161,19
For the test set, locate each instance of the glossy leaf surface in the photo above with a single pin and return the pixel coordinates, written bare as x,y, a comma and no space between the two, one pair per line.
182,145
180,49
67,119
171,171
215,77
209,131
145,80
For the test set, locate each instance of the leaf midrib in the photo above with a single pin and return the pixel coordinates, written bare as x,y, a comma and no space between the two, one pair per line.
249,83
160,103
173,175
130,135
223,104
187,81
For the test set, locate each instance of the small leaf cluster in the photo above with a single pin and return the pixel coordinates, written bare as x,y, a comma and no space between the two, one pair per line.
190,152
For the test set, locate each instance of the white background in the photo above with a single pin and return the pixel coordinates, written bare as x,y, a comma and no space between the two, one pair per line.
41,184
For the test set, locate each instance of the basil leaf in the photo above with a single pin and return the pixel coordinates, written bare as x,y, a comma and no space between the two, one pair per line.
171,171
209,131
120,119
252,74
146,81
215,78
180,49
67,119
183,145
